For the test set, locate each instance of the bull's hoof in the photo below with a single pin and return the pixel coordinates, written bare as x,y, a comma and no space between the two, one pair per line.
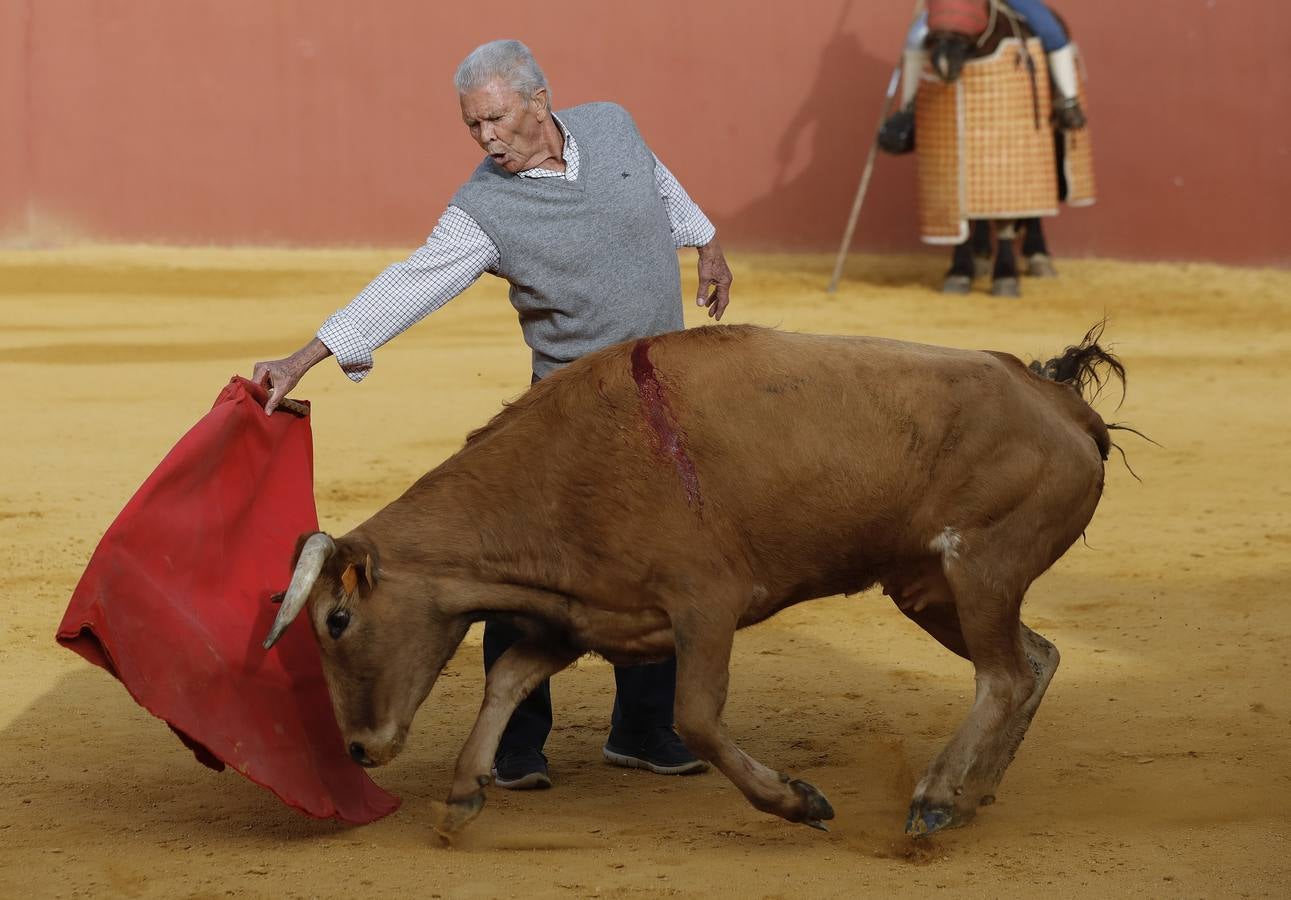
457,814
815,807
1005,287
926,818
1040,265
981,266
957,284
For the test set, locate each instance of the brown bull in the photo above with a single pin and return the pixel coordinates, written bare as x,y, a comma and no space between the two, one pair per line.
657,496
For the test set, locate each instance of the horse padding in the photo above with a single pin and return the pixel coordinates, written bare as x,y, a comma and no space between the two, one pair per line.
1078,156
985,143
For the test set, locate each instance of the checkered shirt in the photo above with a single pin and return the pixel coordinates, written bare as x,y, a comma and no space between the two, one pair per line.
453,257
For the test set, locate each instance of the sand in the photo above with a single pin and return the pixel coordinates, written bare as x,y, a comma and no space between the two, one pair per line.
1159,764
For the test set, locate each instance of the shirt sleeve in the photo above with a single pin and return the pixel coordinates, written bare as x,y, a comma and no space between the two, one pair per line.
453,257
690,227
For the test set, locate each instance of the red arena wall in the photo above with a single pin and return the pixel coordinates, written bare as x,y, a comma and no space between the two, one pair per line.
317,122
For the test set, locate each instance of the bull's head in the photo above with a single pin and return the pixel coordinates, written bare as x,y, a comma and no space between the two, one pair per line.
953,27
382,642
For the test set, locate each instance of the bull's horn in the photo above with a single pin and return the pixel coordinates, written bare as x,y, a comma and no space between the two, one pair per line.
318,547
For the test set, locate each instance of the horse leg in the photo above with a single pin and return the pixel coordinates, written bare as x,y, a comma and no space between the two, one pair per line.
959,280
981,238
1039,264
1004,280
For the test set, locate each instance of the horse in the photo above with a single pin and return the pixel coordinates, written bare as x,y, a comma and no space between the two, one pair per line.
948,50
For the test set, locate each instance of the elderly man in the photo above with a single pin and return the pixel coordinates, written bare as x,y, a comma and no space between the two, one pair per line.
584,221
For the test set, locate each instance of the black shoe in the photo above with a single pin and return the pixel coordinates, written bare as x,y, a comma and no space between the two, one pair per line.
1068,114
523,770
659,750
896,135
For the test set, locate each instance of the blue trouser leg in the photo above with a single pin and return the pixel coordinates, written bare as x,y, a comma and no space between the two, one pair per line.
531,722
914,38
1043,22
644,695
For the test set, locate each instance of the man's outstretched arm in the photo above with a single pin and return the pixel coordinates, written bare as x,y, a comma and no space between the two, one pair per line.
453,257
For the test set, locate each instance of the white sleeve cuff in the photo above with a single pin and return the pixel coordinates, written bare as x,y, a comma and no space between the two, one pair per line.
352,350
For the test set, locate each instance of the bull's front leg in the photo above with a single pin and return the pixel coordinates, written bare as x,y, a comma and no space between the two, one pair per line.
703,665
516,673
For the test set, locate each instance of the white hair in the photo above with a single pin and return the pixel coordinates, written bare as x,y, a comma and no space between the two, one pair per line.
510,60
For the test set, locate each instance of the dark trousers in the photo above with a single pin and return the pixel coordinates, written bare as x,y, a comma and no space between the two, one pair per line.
642,699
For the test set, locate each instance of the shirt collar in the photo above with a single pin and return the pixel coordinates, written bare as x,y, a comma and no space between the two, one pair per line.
571,158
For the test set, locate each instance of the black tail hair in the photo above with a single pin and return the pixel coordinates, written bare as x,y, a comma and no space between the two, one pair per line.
1088,368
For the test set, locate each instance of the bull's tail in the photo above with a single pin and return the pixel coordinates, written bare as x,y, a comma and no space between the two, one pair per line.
1088,368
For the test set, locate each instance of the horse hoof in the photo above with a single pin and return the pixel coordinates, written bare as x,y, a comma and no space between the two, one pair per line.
1040,265
981,266
1005,287
957,284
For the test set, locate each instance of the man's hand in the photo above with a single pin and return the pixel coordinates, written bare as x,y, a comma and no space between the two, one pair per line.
714,280
279,376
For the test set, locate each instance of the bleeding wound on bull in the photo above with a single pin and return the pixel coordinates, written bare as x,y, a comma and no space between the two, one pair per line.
669,439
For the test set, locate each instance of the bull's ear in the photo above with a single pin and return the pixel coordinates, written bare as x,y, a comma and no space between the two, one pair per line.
355,566
370,571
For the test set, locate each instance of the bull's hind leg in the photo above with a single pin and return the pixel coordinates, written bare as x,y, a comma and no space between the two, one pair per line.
703,663
1042,656
926,599
1013,667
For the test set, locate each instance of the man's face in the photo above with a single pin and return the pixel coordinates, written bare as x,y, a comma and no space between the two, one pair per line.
506,125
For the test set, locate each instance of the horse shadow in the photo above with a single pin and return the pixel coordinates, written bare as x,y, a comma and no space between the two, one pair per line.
819,157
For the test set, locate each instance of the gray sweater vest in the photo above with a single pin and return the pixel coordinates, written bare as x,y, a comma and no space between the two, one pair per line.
590,262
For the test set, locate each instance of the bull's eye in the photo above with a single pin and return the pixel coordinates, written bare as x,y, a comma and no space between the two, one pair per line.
337,621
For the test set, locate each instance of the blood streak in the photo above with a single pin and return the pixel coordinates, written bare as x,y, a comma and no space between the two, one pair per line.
670,440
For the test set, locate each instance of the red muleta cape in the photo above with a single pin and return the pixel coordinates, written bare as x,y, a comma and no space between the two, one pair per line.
176,600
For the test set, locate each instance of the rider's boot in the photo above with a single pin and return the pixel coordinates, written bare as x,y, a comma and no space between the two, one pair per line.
896,135
1066,90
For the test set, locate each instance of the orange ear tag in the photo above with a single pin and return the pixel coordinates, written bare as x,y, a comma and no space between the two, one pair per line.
349,580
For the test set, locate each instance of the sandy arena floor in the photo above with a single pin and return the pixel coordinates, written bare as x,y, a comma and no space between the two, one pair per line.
1159,764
